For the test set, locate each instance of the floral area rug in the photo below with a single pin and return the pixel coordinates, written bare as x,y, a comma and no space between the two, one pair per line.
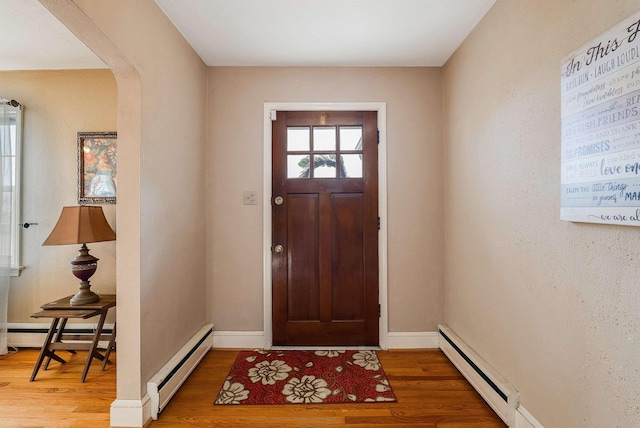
305,377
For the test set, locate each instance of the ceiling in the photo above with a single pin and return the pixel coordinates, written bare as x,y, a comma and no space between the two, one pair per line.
265,32
38,41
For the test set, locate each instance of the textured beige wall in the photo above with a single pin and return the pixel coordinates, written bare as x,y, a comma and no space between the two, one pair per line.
414,170
57,105
554,306
161,204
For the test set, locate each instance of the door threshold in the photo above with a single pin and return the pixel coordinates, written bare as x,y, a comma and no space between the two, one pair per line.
325,348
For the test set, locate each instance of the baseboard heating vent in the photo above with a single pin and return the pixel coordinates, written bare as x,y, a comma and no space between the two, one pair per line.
496,391
164,384
32,335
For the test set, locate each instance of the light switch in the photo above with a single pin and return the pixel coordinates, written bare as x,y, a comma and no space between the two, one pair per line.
250,198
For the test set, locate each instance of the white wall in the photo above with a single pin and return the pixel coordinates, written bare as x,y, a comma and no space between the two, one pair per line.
553,306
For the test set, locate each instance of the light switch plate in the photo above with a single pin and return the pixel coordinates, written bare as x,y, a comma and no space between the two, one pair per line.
250,198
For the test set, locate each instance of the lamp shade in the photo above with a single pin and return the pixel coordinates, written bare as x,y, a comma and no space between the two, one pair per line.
80,225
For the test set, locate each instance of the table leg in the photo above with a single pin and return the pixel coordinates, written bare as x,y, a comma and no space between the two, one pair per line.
94,346
45,352
61,328
112,341
63,325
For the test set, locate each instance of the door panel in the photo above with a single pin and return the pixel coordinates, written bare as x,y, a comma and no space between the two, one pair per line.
325,235
348,254
303,287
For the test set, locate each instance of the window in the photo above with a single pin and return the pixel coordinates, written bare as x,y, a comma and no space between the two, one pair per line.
10,150
336,152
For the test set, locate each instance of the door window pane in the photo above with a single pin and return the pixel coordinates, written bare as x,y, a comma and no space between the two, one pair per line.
350,138
298,139
351,166
324,166
298,166
324,138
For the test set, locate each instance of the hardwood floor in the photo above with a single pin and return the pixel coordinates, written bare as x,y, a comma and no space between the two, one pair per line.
56,399
429,389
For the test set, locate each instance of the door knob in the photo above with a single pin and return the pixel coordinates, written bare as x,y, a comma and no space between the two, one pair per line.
278,249
278,200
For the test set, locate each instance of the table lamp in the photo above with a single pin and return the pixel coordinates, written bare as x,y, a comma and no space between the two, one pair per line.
80,225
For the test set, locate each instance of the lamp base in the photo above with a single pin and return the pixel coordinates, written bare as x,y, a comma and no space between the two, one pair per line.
83,267
83,297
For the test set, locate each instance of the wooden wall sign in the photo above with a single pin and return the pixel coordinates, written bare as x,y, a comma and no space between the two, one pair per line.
600,159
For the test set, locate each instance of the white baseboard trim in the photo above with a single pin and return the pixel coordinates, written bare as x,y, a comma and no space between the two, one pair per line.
524,419
32,335
130,413
255,339
238,339
412,340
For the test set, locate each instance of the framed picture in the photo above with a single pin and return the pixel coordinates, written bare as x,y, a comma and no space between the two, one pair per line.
97,167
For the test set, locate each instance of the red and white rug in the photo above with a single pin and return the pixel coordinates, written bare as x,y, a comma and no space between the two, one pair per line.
305,377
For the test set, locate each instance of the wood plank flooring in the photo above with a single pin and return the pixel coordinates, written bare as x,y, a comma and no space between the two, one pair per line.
430,391
56,399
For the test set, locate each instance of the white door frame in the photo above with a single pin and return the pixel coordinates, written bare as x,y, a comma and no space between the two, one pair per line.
269,114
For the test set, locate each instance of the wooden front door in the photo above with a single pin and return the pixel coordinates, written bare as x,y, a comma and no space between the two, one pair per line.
325,229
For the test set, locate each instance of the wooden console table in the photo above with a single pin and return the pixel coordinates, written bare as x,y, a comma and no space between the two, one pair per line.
61,311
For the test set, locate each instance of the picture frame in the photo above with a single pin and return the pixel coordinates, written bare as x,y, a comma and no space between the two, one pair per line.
97,167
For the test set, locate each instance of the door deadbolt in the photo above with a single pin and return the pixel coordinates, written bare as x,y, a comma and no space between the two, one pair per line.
279,200
278,249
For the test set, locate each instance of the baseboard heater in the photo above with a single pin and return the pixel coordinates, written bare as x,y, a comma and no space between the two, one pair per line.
32,335
164,384
496,391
